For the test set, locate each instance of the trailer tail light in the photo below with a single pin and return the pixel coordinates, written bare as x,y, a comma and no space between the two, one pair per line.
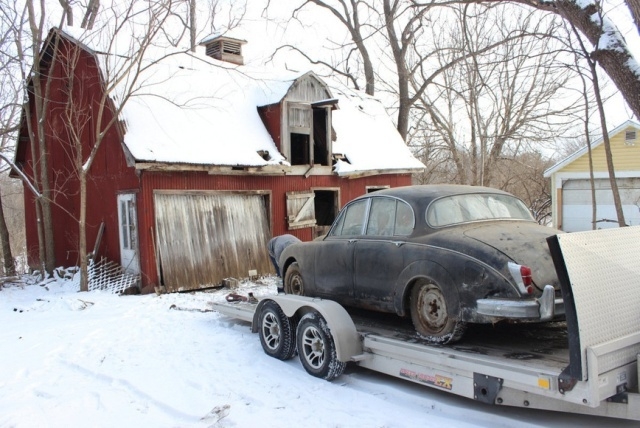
522,276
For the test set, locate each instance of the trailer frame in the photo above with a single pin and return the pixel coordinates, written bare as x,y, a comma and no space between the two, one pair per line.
596,374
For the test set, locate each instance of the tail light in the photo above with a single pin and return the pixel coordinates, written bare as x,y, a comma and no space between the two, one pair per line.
522,276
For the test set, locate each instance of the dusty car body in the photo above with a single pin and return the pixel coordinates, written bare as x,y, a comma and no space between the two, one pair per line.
445,255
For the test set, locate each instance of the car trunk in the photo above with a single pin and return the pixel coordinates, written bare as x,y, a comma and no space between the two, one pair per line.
524,243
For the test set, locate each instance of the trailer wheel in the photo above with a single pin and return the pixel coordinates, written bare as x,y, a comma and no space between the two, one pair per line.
430,316
293,283
276,332
317,349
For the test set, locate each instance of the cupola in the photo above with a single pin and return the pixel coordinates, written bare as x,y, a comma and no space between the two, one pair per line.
224,48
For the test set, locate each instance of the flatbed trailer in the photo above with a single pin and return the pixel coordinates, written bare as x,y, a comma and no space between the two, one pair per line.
588,364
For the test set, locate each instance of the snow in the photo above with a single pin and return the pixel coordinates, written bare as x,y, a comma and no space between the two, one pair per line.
75,359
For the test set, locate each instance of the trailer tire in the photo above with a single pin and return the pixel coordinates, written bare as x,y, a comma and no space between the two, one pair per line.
293,283
276,332
431,315
317,349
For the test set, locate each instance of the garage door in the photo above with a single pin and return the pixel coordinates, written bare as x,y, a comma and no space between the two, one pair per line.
576,201
203,238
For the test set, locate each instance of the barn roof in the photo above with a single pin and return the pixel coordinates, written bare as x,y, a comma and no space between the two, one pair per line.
188,108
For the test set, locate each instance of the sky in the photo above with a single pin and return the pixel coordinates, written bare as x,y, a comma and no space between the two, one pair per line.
96,359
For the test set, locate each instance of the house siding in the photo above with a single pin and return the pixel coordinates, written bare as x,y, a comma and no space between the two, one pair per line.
625,157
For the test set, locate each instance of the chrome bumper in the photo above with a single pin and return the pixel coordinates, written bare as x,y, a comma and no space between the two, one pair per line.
545,308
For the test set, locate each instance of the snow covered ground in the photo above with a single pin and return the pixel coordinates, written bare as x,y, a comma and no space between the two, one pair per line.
95,359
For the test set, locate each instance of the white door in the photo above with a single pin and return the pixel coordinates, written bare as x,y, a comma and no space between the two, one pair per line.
127,219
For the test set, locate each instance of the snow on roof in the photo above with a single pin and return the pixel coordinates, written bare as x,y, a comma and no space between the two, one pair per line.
188,108
194,110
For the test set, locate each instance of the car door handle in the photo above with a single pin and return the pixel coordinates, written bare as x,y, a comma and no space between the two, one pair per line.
351,241
398,243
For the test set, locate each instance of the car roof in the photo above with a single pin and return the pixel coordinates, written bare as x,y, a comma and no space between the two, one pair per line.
431,191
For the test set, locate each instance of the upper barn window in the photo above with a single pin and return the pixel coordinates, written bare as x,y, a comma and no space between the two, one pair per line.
307,134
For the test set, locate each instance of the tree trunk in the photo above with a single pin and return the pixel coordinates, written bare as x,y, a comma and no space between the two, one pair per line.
82,232
7,256
192,25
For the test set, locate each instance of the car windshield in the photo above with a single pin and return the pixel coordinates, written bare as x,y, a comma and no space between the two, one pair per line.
475,207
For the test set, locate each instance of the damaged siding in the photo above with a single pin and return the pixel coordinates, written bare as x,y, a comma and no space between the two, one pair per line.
205,237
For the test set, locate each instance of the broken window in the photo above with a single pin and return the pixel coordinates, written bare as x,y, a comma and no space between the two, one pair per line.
309,133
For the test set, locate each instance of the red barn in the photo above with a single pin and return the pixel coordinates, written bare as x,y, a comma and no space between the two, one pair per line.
210,159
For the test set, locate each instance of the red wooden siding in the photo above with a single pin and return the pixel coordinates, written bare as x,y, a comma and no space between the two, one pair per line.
109,172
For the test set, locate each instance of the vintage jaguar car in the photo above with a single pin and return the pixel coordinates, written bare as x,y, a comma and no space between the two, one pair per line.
445,255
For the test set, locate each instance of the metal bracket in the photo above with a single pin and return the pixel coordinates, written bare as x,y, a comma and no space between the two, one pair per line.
486,388
566,383
621,396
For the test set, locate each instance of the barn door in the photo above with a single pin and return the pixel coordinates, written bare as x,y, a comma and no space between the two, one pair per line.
128,223
205,237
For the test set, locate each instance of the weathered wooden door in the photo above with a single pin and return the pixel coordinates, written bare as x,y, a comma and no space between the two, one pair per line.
205,237
128,224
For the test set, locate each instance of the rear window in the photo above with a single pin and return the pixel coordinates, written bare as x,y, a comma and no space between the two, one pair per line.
476,207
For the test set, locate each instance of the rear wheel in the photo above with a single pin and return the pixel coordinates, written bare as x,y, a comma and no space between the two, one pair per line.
430,315
276,332
316,348
293,283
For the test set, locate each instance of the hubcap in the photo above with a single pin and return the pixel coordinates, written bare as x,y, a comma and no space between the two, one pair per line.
433,307
313,347
271,331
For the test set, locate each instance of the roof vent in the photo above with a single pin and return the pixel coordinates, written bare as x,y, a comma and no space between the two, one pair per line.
630,138
224,48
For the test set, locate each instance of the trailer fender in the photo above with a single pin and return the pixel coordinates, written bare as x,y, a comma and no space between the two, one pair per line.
343,330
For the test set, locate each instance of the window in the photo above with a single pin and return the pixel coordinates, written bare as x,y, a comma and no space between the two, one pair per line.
630,138
390,217
351,220
475,207
309,134
301,209
381,217
127,224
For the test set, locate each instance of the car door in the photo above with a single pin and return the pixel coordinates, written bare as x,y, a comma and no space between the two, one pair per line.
379,255
334,256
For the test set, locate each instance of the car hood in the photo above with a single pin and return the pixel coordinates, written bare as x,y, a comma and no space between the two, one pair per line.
524,243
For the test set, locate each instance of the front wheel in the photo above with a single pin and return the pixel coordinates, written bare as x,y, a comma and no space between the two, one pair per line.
276,332
316,348
430,315
293,283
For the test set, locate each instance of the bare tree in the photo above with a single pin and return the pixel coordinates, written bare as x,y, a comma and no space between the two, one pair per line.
495,104
34,33
356,16
591,60
9,118
121,68
590,20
